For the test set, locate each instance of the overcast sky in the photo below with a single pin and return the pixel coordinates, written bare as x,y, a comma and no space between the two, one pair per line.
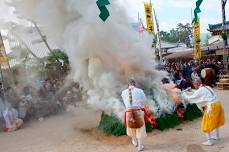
169,12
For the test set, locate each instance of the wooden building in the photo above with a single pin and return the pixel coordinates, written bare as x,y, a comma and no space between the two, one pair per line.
216,29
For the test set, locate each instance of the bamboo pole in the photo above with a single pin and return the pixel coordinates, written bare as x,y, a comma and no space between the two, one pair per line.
45,41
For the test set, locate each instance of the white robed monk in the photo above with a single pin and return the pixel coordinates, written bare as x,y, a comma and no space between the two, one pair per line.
213,117
134,100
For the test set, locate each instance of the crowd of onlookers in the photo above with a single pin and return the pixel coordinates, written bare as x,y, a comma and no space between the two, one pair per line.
60,91
50,87
36,101
183,73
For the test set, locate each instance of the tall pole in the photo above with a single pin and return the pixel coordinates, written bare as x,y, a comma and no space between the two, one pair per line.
2,48
3,88
223,4
193,36
138,17
158,34
45,41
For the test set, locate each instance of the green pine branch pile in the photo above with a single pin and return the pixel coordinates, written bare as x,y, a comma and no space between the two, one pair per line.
113,126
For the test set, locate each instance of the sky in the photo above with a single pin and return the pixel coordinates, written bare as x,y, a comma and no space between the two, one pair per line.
172,12
169,12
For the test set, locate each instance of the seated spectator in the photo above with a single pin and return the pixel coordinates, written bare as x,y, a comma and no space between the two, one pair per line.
182,83
12,122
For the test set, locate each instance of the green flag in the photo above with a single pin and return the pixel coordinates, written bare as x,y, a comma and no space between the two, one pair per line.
102,3
198,3
104,13
197,10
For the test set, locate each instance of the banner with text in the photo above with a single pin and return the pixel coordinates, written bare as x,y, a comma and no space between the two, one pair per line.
149,18
197,46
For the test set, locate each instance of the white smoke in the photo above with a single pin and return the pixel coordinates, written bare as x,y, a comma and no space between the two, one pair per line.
103,55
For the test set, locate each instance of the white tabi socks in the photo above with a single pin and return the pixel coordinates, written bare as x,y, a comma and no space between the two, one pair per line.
140,145
135,142
216,137
208,142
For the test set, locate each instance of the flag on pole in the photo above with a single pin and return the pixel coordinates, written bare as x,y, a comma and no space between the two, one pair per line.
197,10
149,18
104,13
141,28
197,47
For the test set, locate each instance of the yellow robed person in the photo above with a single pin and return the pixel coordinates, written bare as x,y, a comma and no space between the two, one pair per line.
213,117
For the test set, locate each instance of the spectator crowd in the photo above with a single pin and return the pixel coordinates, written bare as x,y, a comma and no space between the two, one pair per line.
184,73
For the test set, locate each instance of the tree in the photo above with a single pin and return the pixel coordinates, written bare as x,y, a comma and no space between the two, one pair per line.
185,33
165,36
182,34
57,64
57,54
206,40
174,36
155,41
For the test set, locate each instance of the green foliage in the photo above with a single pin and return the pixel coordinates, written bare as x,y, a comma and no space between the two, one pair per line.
192,112
148,127
57,54
167,121
182,33
206,40
155,40
171,36
224,36
112,126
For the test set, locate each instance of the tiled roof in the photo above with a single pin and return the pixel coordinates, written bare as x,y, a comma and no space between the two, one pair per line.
218,27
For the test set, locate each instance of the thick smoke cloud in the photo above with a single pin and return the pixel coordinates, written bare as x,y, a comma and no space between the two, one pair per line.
103,56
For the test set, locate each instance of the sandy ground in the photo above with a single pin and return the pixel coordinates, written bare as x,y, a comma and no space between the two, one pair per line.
65,133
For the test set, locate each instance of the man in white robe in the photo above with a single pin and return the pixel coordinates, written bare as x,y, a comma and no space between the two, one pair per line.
134,100
213,117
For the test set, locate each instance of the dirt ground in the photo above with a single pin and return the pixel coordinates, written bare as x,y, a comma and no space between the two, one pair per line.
71,132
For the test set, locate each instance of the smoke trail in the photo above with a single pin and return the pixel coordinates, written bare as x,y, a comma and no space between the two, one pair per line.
103,55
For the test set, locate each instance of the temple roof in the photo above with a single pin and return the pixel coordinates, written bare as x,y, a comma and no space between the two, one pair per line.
218,27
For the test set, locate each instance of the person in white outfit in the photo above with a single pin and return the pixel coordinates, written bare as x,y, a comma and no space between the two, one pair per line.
213,117
134,100
11,118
